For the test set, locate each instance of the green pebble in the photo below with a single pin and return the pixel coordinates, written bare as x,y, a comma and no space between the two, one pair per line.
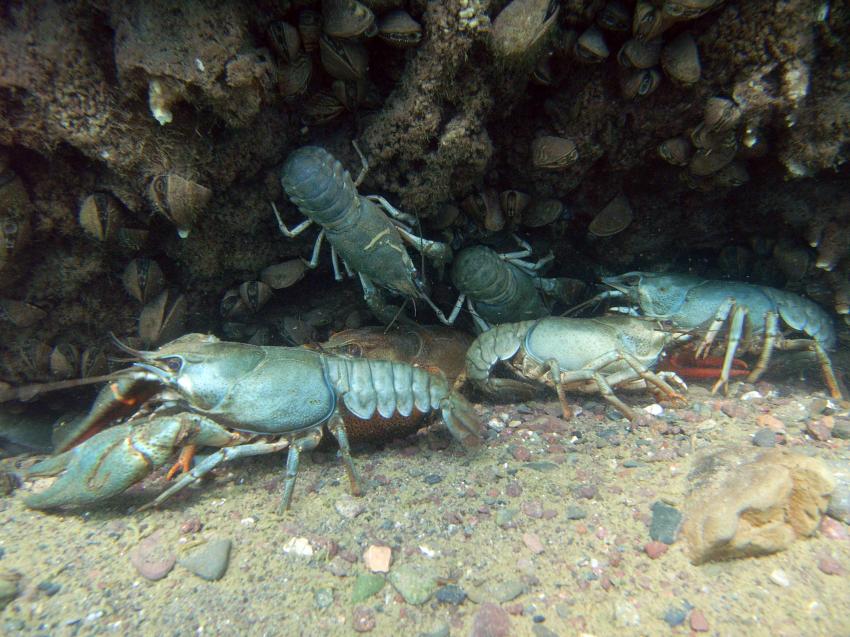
365,586
416,585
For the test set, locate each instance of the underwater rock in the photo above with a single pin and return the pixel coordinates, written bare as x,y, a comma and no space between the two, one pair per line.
756,508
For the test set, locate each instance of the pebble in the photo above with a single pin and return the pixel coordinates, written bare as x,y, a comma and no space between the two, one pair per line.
191,525
631,463
542,465
49,588
841,429
533,509
770,421
666,521
587,492
752,395
415,584
505,517
764,438
363,619
830,566
442,630
507,591
625,614
839,502
675,616
532,541
298,546
491,621
365,586
8,587
152,558
378,558
654,409
699,624
780,578
349,507
450,594
323,598
833,529
541,631
210,560
575,512
655,549
818,430
432,478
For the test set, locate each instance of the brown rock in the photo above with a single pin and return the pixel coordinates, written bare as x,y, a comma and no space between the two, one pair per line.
491,621
655,549
532,541
699,624
378,558
830,566
759,509
770,421
152,558
819,430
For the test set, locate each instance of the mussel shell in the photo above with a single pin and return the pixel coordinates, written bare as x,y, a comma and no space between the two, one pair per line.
720,114
285,40
639,82
254,294
93,362
132,239
542,213
15,213
514,203
20,313
614,16
293,78
163,319
444,217
64,361
399,29
344,59
542,73
680,60
35,357
522,27
143,279
794,261
553,152
648,21
179,199
639,54
591,46
732,175
322,107
310,29
613,218
707,161
284,275
484,207
101,216
676,151
349,94
687,9
347,19
232,305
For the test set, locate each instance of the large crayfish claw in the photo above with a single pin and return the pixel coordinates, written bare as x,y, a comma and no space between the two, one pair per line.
115,459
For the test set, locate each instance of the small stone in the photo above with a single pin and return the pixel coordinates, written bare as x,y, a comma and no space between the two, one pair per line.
441,630
655,549
298,546
818,430
505,517
9,588
841,429
49,588
152,558
625,614
699,624
752,395
654,409
587,492
191,525
532,541
415,585
378,558
833,529
491,621
348,507
323,597
433,478
631,463
769,421
520,453
538,630
780,578
830,566
365,586
666,521
450,594
575,513
675,616
363,619
542,465
533,509
507,591
208,561
764,438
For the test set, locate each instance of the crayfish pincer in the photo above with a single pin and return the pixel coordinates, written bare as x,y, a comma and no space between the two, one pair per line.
368,241
248,400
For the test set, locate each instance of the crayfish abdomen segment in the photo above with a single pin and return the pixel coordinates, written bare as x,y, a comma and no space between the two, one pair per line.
318,184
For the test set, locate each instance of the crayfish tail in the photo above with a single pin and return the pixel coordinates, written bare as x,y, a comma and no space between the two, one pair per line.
462,421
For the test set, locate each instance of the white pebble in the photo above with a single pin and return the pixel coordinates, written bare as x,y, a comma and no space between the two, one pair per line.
752,395
654,409
779,578
298,546
249,522
495,424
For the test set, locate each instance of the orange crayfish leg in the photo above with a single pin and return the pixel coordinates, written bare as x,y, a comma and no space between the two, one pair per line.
184,462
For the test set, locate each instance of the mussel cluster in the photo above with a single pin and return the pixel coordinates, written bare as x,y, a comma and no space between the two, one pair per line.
334,40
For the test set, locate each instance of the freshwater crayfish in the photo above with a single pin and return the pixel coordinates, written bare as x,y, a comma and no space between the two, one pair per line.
248,400
700,306
504,288
587,355
369,242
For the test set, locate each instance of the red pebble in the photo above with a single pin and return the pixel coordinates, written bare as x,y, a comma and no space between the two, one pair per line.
699,624
363,619
818,430
521,453
833,529
655,549
830,566
514,609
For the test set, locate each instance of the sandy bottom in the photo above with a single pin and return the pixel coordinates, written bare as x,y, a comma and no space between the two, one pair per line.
493,523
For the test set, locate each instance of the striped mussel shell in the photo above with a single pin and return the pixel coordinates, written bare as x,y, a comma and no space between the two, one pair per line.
322,107
614,16
179,199
285,40
20,313
639,54
721,114
293,78
639,82
344,59
399,29
143,279
347,19
543,212
613,218
284,275
163,319
707,161
553,152
93,362
254,294
591,46
310,29
101,216
676,150
484,207
15,212
687,9
680,60
522,27
648,22
64,361
514,203
232,305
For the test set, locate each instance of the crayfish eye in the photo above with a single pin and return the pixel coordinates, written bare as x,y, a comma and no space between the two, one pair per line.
173,364
354,350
